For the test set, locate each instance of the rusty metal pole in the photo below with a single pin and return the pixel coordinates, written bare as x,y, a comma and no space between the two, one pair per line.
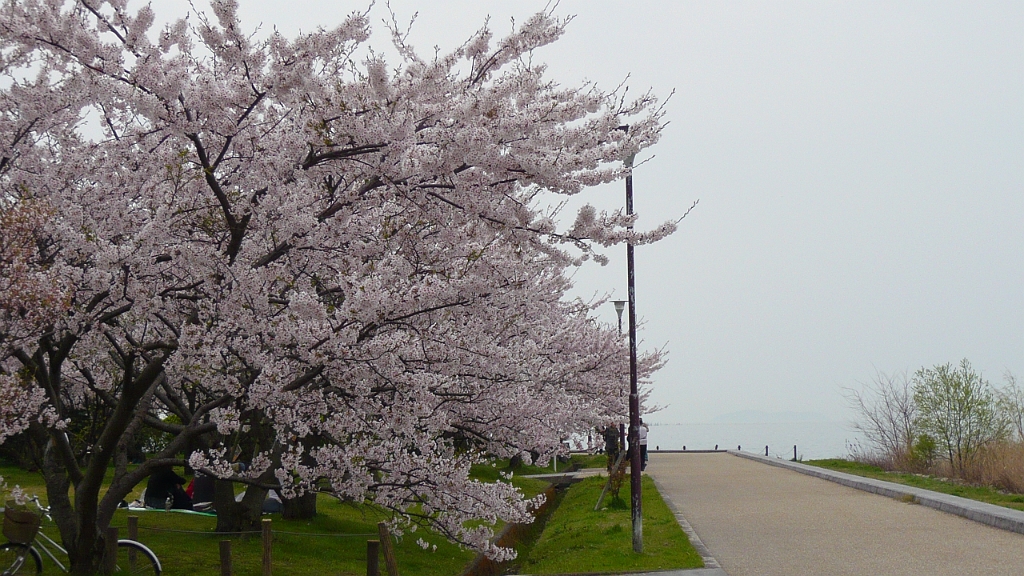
634,394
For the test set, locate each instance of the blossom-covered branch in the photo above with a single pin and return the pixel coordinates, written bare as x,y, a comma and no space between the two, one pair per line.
338,271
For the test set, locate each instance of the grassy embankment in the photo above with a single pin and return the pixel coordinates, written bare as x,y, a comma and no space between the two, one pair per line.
576,462
576,539
332,543
335,541
945,486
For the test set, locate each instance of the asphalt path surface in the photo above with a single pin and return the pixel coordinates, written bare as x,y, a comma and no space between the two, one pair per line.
760,520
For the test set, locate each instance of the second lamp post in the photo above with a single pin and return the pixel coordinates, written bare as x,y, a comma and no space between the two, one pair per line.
634,394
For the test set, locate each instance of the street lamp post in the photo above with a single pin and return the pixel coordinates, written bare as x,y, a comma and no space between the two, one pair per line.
634,395
619,306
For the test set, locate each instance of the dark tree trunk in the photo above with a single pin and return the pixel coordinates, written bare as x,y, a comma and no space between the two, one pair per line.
300,508
87,559
234,516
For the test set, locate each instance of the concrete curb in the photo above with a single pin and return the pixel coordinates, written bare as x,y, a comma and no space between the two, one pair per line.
990,514
711,565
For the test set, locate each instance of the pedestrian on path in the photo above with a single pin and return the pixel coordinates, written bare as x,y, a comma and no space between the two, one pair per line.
643,445
610,433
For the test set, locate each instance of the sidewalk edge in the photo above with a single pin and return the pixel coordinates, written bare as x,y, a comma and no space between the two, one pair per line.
990,514
710,562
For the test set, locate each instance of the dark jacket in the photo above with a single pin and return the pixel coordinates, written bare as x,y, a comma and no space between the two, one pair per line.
164,483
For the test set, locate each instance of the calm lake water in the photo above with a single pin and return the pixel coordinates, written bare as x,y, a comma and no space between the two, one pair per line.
812,439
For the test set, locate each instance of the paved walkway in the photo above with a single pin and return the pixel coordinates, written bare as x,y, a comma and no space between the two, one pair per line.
760,520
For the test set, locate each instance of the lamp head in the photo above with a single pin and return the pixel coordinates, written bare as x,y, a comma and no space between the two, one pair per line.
619,305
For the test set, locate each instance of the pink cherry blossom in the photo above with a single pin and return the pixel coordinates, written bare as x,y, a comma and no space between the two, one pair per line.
336,268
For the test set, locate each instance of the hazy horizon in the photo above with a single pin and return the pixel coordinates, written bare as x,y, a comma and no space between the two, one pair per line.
858,170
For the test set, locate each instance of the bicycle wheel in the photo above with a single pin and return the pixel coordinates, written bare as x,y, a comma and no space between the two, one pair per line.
19,559
135,558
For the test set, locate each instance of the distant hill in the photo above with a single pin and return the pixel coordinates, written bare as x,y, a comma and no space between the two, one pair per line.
762,417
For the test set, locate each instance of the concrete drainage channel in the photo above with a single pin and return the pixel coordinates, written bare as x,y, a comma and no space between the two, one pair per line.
990,514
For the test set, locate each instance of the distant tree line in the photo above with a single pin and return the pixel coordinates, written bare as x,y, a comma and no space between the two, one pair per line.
946,419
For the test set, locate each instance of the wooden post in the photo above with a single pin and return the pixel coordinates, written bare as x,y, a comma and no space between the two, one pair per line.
225,558
608,484
794,452
373,558
267,542
389,552
110,552
133,534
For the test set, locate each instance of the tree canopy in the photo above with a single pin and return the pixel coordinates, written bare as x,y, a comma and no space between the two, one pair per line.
340,270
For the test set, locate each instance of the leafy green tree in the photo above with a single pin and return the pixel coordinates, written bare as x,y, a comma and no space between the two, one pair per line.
957,408
923,452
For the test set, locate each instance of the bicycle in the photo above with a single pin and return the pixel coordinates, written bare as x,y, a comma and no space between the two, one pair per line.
21,555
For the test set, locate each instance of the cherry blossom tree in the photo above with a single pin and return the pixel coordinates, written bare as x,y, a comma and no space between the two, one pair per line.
31,296
338,270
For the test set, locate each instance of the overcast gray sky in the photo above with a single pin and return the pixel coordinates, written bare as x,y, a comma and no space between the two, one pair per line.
859,166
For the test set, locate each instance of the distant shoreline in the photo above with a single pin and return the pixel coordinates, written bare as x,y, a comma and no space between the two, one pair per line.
813,439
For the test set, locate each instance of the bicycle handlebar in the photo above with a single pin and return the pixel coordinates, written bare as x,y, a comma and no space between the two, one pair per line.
44,509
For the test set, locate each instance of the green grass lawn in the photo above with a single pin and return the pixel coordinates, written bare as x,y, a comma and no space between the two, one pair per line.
979,493
333,543
577,539
576,461
31,482
590,460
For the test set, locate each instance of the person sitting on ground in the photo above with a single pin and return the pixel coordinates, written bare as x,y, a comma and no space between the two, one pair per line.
202,490
163,484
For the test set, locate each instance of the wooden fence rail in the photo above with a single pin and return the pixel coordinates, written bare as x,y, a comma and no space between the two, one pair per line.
374,548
